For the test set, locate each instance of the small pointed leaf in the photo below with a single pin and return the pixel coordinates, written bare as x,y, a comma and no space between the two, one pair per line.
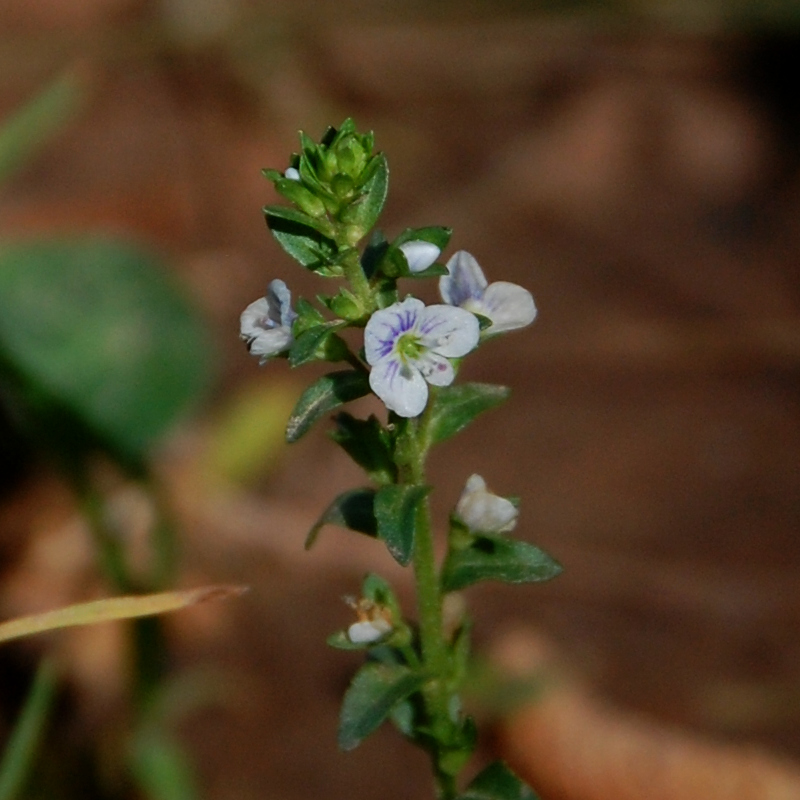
497,558
318,343
368,208
297,235
329,392
396,513
353,509
454,407
376,689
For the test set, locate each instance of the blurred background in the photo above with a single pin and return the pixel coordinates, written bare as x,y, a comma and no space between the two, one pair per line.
634,164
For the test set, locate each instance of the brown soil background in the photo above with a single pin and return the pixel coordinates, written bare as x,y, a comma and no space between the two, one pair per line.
640,179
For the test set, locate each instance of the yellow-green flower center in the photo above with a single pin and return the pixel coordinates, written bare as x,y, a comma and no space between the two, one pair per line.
409,347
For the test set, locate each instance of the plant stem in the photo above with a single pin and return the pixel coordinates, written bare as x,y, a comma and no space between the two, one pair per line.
435,654
358,280
109,549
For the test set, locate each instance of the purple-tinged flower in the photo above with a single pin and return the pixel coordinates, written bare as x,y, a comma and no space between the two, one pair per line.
408,346
419,254
484,512
292,174
266,324
507,305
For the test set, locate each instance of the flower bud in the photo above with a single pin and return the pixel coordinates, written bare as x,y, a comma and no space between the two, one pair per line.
484,512
419,254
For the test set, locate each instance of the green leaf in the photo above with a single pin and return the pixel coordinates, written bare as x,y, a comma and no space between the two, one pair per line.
35,124
437,235
365,211
303,198
161,768
307,317
368,444
96,327
396,513
318,343
329,392
497,782
376,689
353,509
22,746
454,407
497,558
301,240
373,253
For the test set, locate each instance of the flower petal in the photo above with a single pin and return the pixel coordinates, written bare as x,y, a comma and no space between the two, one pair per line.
436,369
292,174
386,326
483,511
447,330
254,320
419,254
465,281
401,387
280,303
368,631
508,306
270,342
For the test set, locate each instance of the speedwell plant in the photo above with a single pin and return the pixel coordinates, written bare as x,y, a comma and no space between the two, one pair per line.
410,358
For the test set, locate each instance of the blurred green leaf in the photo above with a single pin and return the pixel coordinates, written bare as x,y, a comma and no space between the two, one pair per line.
376,689
497,782
497,558
23,743
96,327
161,767
31,127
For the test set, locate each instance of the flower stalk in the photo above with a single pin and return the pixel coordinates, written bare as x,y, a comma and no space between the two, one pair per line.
410,359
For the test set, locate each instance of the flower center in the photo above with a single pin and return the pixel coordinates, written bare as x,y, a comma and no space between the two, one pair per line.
409,347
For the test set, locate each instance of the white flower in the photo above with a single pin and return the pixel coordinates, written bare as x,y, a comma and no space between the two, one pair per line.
482,511
266,325
419,255
408,344
292,174
507,305
368,630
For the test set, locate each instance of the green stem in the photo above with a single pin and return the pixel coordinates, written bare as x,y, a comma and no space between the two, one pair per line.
435,655
20,752
109,548
163,539
358,280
